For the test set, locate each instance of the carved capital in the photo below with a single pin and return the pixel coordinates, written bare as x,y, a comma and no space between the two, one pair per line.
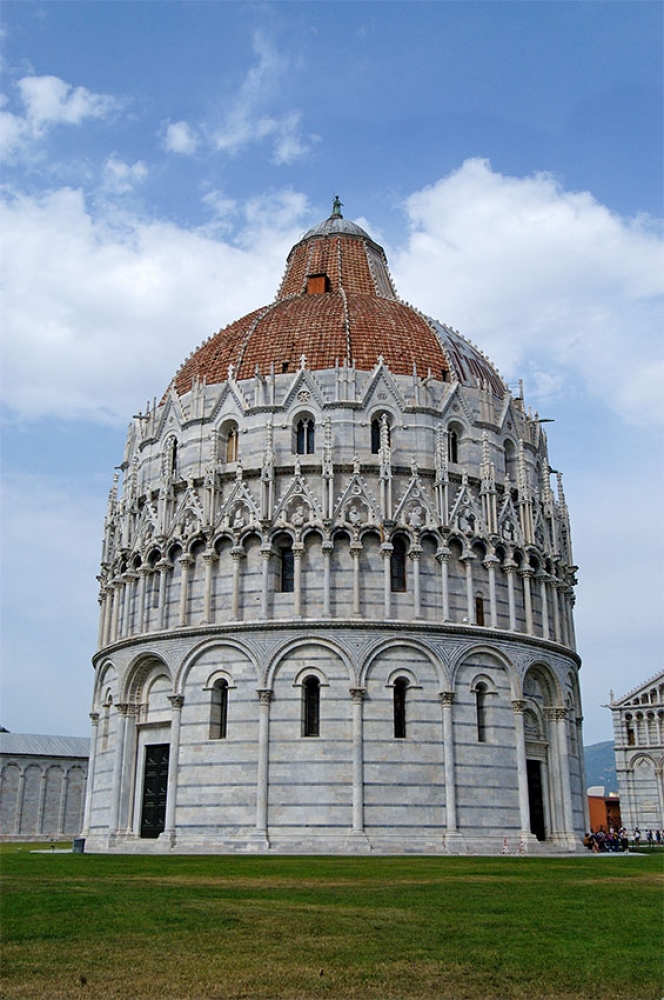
358,694
264,695
176,700
518,706
94,718
446,697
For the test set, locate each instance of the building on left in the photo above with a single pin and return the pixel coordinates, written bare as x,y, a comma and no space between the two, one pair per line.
42,786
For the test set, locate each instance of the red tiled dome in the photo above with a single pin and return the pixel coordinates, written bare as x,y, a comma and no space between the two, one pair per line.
336,303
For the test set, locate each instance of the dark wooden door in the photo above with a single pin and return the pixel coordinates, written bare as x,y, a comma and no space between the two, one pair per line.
536,799
155,781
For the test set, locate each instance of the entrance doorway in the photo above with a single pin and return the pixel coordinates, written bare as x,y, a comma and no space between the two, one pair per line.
536,799
155,781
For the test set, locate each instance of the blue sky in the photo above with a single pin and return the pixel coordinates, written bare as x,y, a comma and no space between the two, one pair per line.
159,160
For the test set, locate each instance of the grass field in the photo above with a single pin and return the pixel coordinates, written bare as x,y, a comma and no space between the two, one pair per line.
216,928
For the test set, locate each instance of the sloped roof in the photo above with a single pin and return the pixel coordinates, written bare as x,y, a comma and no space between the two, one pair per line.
643,688
28,745
337,303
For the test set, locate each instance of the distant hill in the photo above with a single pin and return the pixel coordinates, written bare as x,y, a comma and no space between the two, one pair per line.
601,766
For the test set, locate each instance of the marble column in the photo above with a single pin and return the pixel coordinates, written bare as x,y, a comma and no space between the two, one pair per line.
414,556
264,697
266,554
357,695
526,574
490,564
443,557
185,562
509,567
446,700
519,708
210,557
118,761
470,603
327,548
163,566
90,781
144,572
355,551
386,551
563,759
237,555
298,550
543,578
177,701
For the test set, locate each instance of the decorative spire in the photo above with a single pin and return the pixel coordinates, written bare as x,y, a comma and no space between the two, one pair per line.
336,208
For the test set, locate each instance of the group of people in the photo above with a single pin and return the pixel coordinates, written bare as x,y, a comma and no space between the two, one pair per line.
618,840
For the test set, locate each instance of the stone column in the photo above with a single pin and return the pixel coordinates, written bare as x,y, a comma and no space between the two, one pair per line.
132,612
545,604
42,801
264,697
519,708
560,587
526,573
509,566
116,794
328,548
19,802
357,694
446,699
556,611
266,552
163,566
177,701
129,769
470,603
414,555
185,561
582,762
116,609
386,551
560,715
237,554
355,551
209,558
145,572
490,564
570,617
298,549
90,781
443,557
101,633
62,812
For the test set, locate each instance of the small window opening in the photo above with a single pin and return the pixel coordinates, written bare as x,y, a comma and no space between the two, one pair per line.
376,425
219,711
284,367
480,709
311,707
174,457
318,284
305,439
400,686
453,447
398,566
479,610
232,441
287,569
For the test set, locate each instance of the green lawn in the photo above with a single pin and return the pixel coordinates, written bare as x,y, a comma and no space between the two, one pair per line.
207,928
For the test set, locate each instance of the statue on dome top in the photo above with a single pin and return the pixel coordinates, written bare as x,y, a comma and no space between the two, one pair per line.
336,208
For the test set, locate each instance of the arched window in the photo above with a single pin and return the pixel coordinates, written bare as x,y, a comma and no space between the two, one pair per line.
510,461
398,565
305,435
376,425
174,457
311,707
286,568
399,698
479,610
629,731
232,442
452,446
480,711
219,710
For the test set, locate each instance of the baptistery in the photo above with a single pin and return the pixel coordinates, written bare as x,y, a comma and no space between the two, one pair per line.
336,592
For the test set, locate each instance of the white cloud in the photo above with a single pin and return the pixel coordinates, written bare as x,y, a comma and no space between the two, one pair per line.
48,101
99,317
545,277
247,119
120,177
180,137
